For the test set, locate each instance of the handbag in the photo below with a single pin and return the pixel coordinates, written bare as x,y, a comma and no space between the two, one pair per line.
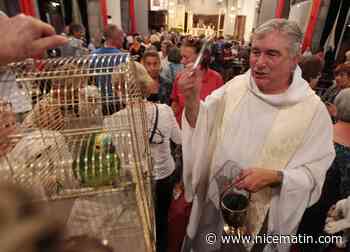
155,125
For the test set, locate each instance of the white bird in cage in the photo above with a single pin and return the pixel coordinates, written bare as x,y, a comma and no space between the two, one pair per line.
34,162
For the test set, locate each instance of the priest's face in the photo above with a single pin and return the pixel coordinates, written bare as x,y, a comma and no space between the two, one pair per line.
272,62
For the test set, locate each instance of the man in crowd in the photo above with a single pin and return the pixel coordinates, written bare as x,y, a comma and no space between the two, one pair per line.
162,87
114,37
114,40
268,126
75,46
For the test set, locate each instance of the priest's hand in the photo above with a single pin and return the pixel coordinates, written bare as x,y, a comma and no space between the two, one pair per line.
190,84
254,179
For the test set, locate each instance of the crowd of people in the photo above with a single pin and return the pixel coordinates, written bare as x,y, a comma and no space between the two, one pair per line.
229,57
295,167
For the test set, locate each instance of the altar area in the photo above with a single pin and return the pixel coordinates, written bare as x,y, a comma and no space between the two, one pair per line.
208,32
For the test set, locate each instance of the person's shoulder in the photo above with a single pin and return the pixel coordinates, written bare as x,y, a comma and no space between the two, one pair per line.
238,81
165,108
313,98
98,51
320,114
103,50
112,119
166,112
142,74
215,75
240,77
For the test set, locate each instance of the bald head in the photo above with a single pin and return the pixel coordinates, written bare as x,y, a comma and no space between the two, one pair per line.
114,36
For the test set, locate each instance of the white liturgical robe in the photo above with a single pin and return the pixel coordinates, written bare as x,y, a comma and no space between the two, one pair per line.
243,135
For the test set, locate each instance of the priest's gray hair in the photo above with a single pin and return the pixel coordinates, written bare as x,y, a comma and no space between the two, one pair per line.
284,26
342,102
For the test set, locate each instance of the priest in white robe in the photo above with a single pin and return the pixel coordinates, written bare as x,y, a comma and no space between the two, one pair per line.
269,123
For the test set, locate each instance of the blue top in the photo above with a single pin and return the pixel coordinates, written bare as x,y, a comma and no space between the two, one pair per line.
104,82
103,50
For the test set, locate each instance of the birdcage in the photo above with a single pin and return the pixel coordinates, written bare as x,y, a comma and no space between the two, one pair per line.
98,179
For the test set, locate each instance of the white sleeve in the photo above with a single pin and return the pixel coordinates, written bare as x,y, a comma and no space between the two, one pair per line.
304,176
175,132
195,141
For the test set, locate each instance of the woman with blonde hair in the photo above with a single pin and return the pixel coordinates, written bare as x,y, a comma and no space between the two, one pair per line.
162,127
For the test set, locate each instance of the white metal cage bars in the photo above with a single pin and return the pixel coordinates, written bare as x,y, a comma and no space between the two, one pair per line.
63,151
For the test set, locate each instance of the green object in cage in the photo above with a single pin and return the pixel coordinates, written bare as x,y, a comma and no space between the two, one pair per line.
96,162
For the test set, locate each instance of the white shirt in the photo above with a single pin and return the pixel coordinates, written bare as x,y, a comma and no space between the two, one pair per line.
242,143
163,162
